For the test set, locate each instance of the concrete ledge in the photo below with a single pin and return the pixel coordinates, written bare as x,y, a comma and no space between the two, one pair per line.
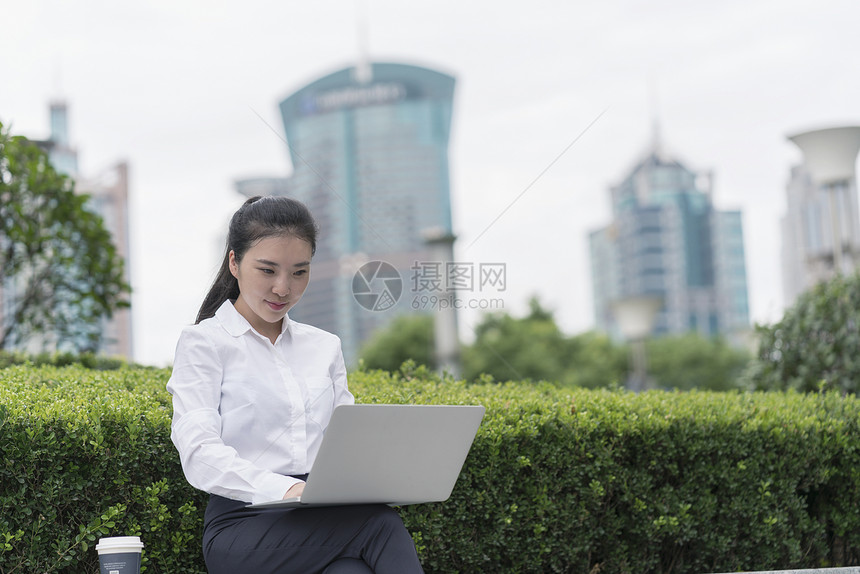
847,570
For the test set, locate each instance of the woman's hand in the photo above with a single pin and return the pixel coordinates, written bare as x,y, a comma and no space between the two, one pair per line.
295,490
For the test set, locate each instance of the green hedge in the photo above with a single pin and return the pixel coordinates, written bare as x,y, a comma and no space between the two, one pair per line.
88,360
557,481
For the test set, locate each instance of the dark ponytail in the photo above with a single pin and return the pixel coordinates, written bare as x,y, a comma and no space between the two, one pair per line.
258,218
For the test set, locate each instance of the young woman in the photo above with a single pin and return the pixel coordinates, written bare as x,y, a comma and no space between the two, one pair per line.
253,393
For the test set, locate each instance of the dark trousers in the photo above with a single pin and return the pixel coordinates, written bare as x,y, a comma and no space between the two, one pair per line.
360,539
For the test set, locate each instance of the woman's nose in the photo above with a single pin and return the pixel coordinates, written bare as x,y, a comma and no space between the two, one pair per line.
281,287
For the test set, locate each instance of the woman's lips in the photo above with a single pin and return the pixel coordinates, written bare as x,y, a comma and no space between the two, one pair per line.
275,306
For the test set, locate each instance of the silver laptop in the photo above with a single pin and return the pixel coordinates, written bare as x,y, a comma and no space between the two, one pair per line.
390,454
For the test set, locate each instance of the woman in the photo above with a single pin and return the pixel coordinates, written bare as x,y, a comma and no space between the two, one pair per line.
253,393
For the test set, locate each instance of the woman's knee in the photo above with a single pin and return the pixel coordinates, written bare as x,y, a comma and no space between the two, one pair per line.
387,517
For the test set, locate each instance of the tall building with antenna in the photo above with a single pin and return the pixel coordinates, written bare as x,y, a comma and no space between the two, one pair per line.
369,151
669,243
108,191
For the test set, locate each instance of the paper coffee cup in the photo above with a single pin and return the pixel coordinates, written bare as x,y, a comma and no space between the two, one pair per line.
119,555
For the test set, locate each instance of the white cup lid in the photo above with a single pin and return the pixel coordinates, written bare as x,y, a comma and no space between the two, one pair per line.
119,543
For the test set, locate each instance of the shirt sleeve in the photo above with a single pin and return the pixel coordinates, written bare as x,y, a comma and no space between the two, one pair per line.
208,463
342,396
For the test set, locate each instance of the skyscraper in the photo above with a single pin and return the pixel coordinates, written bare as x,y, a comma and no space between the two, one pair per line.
667,241
108,198
108,191
369,150
821,209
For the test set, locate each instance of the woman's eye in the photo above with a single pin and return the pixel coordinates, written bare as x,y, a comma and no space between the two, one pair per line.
267,271
300,272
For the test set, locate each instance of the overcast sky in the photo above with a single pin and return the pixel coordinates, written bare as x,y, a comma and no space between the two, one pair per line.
178,89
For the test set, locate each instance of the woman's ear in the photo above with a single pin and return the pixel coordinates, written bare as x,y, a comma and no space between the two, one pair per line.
234,265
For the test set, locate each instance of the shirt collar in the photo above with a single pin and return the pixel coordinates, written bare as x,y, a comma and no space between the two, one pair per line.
236,325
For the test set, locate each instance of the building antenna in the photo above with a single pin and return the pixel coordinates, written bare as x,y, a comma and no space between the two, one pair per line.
363,72
57,79
653,105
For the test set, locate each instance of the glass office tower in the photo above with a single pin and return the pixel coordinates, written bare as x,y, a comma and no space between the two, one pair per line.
109,198
370,159
666,240
807,232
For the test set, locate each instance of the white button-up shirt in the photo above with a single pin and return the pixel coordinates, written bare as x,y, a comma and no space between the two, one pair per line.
247,413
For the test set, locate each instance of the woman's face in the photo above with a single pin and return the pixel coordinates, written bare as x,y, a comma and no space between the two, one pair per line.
272,276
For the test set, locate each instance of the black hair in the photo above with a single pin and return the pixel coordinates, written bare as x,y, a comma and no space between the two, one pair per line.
258,218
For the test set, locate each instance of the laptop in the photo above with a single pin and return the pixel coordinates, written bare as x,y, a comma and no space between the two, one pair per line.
389,454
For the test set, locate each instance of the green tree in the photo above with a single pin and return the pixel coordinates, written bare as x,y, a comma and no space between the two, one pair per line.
596,361
59,270
508,348
690,361
406,337
816,343
533,347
